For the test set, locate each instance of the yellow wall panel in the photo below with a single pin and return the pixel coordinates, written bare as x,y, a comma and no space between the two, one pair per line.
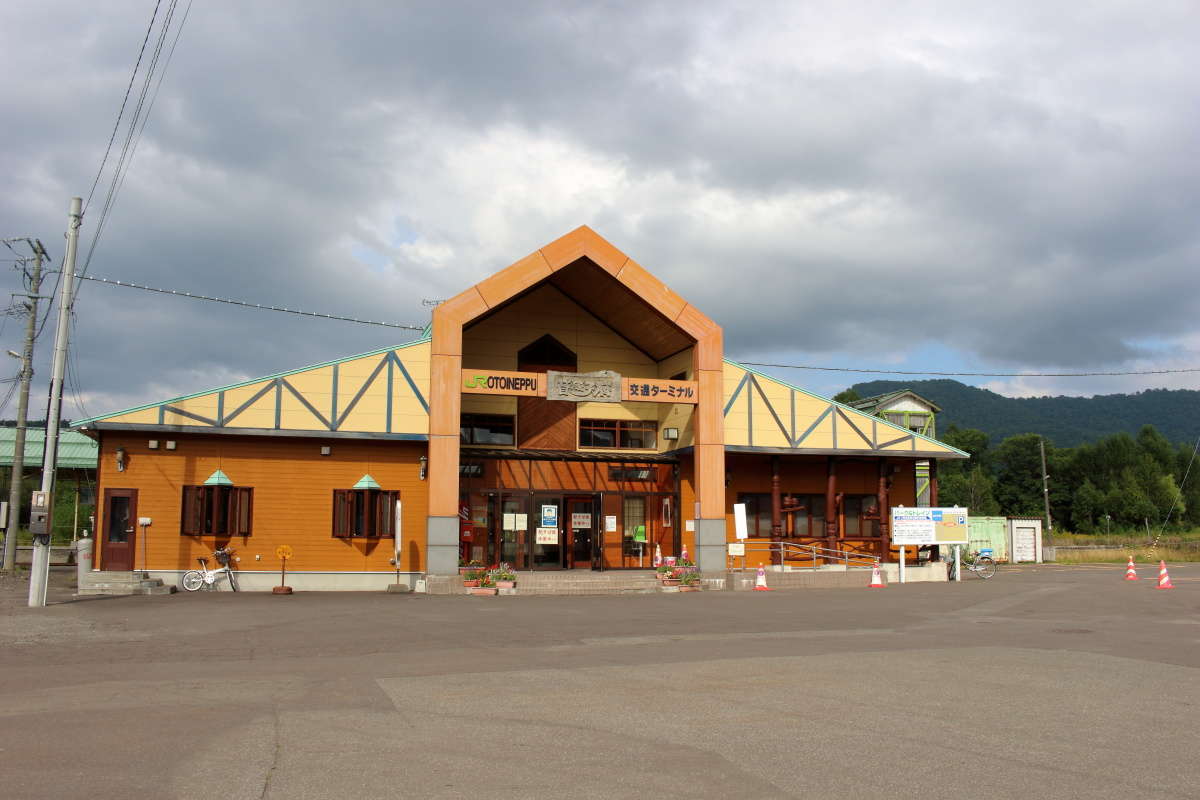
171,418
204,405
147,416
294,416
494,342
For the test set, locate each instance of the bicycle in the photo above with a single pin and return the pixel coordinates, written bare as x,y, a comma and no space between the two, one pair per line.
980,562
206,578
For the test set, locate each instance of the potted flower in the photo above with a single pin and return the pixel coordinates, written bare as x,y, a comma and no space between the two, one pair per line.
504,577
684,566
472,577
672,578
468,566
663,572
486,585
689,582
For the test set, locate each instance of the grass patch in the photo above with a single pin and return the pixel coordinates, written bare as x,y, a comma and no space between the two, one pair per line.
1141,555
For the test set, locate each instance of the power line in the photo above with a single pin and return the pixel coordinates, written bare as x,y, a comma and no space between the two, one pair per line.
121,112
259,306
134,131
976,374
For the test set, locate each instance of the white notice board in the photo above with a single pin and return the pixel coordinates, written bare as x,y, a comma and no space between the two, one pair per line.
925,526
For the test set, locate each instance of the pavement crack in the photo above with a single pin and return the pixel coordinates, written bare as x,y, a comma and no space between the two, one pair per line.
274,757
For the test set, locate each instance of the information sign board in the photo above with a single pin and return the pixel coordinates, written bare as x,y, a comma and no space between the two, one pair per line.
546,536
928,526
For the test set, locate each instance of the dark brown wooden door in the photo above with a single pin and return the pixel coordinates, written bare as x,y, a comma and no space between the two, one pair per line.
119,530
546,424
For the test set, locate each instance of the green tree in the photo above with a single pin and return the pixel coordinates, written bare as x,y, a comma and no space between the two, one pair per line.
1086,507
1018,470
846,396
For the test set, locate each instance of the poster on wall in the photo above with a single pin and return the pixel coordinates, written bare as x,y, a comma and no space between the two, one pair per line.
549,517
581,520
546,536
520,522
739,520
610,523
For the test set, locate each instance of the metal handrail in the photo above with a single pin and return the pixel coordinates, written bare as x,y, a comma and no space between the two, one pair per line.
809,551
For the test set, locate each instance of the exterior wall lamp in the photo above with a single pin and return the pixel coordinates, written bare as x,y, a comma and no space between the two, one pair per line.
120,459
424,467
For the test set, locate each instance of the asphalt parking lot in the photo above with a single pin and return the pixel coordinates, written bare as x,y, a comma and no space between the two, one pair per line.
1045,681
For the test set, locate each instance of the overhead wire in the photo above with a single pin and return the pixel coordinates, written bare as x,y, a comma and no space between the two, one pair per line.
133,133
121,112
975,374
247,304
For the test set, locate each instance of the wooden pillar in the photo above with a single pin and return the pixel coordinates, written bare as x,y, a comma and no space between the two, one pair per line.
885,514
831,509
933,483
776,512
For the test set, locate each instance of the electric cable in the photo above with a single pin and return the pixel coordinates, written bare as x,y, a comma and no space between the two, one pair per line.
975,374
260,306
121,112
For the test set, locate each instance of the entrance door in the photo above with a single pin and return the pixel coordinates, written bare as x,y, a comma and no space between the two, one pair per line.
581,531
120,514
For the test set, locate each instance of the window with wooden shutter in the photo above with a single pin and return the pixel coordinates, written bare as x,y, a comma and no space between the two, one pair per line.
189,524
341,512
366,513
217,511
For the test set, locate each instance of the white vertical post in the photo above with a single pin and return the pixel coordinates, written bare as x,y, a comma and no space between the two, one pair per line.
39,574
957,565
902,563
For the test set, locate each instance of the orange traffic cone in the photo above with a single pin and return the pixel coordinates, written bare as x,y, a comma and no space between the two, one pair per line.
876,578
760,582
1130,572
1164,580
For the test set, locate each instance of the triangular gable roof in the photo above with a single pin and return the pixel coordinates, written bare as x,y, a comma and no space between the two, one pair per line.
575,263
766,414
366,482
381,392
875,401
218,478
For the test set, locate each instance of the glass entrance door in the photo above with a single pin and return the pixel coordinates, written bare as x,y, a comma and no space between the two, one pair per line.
547,551
582,535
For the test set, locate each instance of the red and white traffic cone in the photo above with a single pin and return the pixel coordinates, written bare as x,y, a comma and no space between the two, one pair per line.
876,578
760,582
1164,580
1130,572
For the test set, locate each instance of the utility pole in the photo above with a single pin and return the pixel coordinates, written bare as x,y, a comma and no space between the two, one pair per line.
39,575
1045,484
18,463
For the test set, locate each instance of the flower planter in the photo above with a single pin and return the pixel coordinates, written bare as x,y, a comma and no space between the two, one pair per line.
471,584
692,588
483,591
465,570
506,584
670,581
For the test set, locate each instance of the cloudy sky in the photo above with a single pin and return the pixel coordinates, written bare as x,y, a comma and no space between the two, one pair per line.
951,186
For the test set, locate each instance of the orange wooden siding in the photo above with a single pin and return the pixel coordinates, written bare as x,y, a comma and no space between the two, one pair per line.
293,498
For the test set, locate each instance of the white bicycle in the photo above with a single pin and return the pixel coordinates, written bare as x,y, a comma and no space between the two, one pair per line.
205,578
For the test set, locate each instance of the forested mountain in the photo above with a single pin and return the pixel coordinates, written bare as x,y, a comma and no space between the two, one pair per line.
1066,421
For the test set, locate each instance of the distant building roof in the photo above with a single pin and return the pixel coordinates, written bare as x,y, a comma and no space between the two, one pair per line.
869,404
75,451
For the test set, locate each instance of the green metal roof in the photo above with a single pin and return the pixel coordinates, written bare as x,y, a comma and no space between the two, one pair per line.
366,482
75,451
218,478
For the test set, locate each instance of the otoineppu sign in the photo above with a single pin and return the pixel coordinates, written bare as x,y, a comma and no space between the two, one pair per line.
604,386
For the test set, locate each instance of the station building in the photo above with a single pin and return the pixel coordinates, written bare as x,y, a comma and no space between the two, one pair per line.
570,412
